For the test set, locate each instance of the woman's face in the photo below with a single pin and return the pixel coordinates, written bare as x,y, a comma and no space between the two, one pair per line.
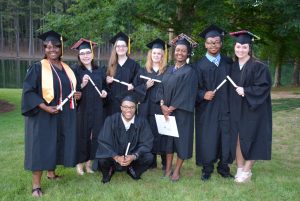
241,50
181,53
52,52
157,55
86,56
121,48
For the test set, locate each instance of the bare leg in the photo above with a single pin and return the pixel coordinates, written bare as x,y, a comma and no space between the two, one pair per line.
239,156
79,169
248,165
176,173
169,165
36,183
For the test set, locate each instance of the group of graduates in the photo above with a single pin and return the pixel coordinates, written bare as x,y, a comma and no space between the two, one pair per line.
77,114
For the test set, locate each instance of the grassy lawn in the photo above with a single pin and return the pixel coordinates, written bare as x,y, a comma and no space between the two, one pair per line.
278,179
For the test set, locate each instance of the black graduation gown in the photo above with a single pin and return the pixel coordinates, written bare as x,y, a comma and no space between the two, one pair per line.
50,140
150,105
113,138
125,73
178,89
212,117
251,116
90,112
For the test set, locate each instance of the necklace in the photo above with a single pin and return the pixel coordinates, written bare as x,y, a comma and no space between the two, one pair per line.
177,67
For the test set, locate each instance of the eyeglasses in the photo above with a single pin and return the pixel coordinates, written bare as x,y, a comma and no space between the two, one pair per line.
121,46
125,107
213,42
85,53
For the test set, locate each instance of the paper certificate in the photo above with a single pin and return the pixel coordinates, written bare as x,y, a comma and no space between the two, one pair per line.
166,127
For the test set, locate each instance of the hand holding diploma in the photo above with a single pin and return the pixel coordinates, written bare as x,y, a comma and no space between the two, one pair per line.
148,78
239,90
59,107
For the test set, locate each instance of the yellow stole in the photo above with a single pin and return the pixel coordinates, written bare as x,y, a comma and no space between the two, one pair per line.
47,79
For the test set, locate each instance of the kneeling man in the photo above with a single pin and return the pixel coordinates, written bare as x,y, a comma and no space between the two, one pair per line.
122,130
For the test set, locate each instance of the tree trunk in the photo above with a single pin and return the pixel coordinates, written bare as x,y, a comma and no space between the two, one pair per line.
1,34
17,33
296,80
277,77
30,45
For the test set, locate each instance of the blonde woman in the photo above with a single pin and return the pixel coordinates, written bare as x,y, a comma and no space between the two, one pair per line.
147,91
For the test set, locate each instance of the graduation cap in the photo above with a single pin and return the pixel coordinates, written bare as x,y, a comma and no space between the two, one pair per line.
183,39
54,37
244,37
212,31
123,37
160,44
129,96
83,44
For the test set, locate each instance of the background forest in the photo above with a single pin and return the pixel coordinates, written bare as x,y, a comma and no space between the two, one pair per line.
277,22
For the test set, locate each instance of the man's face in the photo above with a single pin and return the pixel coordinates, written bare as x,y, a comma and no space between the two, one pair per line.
213,45
128,110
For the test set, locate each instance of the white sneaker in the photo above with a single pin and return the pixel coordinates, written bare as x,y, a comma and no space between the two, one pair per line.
238,172
79,169
244,177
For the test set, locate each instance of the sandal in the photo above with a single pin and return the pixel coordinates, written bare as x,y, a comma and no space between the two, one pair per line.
38,191
56,177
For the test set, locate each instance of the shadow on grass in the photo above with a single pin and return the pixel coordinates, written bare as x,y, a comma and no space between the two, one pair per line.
285,104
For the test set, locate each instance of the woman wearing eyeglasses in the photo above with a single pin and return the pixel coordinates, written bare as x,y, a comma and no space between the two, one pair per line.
90,115
121,68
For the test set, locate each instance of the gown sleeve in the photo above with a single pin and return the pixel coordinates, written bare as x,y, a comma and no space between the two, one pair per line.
31,96
145,142
258,92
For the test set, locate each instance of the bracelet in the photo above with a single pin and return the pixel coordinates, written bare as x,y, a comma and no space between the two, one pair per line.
162,102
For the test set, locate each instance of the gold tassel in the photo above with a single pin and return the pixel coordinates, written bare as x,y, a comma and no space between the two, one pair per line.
166,53
92,49
62,46
129,45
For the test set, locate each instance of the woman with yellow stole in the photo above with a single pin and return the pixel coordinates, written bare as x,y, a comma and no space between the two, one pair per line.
50,130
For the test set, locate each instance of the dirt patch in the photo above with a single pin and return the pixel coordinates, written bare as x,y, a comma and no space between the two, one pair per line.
6,107
284,94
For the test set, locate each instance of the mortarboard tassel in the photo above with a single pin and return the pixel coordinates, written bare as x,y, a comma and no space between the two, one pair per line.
129,45
62,45
92,49
166,53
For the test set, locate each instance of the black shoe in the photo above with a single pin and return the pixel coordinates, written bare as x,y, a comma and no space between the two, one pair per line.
132,173
107,177
226,175
205,176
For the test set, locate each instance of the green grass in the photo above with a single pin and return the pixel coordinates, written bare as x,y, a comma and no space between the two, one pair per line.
278,179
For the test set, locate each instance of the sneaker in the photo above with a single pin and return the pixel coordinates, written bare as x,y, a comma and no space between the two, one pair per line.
244,177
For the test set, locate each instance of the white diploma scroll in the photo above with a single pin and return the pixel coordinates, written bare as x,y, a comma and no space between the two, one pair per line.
95,86
148,78
220,85
121,82
166,127
127,149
